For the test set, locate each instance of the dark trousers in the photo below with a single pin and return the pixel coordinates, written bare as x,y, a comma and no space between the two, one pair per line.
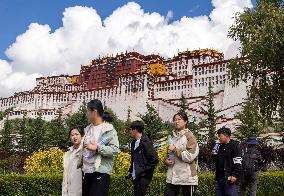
249,181
224,188
141,185
95,184
173,190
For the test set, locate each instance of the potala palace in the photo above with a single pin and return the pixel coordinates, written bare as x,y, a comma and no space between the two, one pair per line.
129,80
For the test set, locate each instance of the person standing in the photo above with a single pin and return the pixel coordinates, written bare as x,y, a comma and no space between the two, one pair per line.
144,159
251,164
227,155
72,176
100,148
182,164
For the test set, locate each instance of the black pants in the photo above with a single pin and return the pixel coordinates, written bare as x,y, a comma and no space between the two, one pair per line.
248,181
173,190
95,184
141,185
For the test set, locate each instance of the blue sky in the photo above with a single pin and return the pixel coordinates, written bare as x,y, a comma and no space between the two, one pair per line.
16,15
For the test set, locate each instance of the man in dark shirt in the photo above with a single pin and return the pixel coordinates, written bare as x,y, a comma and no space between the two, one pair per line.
144,158
251,164
227,155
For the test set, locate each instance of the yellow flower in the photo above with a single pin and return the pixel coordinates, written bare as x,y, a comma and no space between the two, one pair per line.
48,161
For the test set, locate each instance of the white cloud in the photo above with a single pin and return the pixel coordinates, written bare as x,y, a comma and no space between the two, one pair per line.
84,36
18,81
5,69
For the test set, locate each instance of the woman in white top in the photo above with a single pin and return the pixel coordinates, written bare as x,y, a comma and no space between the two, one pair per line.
72,177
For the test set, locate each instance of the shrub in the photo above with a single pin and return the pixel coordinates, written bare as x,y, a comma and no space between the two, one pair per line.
161,167
11,163
30,184
121,163
270,183
48,161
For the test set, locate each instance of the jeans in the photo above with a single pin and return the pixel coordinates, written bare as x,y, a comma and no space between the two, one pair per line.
225,188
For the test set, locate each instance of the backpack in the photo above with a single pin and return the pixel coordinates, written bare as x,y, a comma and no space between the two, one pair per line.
250,161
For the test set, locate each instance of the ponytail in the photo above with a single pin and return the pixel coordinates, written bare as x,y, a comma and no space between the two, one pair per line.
107,117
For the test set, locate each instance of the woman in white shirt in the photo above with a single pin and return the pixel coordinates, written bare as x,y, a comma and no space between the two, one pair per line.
72,177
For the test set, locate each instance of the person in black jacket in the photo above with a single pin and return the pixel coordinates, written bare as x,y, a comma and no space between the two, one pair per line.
144,159
227,155
250,167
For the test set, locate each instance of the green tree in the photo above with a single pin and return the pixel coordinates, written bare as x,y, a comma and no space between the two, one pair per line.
2,115
57,133
168,127
37,134
250,121
6,140
260,31
154,126
281,116
32,134
211,115
78,119
127,127
183,104
24,136
128,120
194,127
120,126
278,123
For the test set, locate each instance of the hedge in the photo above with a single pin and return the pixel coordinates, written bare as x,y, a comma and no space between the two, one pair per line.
270,183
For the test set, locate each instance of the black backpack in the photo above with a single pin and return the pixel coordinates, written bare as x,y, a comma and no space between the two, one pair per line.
250,161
